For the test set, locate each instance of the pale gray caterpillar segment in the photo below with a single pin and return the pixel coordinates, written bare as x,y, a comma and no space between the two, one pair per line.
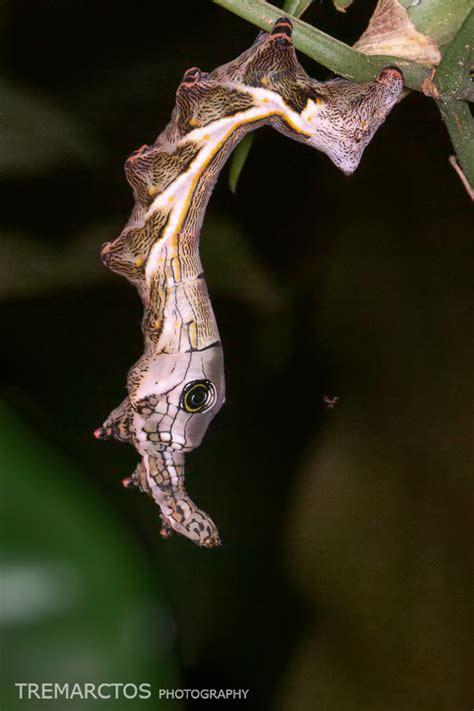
174,397
177,386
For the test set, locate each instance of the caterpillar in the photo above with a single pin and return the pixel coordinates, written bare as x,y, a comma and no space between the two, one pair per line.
177,386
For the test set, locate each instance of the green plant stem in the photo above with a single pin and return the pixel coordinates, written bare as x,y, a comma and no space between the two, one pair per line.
451,76
452,73
296,7
328,51
451,83
460,124
439,19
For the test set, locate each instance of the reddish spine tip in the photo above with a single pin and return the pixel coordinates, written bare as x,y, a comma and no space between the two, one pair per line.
283,27
391,73
191,77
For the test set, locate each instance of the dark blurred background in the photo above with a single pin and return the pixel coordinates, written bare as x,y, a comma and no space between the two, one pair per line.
344,578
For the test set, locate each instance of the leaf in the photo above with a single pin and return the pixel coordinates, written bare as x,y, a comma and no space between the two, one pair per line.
78,601
292,7
439,19
342,5
296,7
36,135
390,31
238,161
48,269
232,268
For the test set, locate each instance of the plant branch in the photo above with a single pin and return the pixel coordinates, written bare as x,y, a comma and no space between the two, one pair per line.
460,124
439,19
454,162
296,7
449,85
326,50
239,158
452,73
450,77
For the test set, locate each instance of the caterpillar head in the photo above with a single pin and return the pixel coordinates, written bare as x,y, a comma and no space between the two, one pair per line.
174,397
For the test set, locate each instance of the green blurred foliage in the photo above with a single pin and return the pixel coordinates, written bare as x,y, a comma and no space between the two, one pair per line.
78,602
36,136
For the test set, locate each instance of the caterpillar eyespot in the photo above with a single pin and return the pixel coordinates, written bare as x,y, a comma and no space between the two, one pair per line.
198,396
177,386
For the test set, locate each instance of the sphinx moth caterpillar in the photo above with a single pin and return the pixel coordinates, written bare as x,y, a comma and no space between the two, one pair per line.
177,386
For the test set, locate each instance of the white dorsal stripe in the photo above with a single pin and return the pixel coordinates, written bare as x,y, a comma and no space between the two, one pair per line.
211,137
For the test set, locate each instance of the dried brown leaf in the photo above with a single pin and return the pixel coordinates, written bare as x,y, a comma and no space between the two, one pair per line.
390,31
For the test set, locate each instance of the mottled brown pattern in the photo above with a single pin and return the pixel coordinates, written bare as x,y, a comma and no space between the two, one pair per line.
177,386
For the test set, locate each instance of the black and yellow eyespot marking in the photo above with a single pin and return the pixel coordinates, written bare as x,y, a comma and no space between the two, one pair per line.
198,396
